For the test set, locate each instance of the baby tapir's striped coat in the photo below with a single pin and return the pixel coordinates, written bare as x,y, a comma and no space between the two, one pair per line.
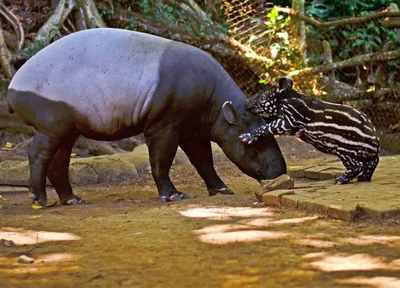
331,128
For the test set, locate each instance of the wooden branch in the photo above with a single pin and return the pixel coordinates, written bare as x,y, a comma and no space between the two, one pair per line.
5,57
347,21
388,94
53,25
355,61
79,16
92,16
15,23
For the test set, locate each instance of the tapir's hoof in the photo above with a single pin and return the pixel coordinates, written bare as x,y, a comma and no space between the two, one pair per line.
174,197
223,191
74,201
34,199
340,181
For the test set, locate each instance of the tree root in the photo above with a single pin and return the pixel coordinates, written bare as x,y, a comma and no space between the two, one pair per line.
15,23
5,57
52,26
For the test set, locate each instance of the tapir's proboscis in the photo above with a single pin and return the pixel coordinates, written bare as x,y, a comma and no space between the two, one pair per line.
108,84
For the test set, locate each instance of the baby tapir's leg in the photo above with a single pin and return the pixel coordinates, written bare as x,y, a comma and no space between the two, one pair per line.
353,168
368,169
280,126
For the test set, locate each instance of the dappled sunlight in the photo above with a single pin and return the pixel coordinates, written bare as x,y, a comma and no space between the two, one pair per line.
241,236
57,257
350,262
265,222
371,239
375,282
220,228
225,213
49,263
21,236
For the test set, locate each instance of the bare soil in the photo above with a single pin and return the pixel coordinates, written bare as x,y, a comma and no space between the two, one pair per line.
124,237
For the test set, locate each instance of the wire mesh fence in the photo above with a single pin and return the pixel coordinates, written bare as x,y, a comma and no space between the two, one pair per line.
354,61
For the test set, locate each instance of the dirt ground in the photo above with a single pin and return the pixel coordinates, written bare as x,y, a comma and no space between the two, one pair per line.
124,237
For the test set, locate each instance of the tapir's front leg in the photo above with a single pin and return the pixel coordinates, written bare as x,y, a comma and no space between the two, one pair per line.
200,155
276,127
163,144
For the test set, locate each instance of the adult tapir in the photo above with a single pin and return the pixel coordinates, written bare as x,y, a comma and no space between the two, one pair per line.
108,84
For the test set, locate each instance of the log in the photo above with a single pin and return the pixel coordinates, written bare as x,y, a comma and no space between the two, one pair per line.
355,61
347,21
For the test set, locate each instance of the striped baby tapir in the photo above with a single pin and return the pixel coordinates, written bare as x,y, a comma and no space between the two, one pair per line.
331,128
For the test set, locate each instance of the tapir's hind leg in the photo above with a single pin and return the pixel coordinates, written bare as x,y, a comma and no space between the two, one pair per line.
40,154
58,171
200,155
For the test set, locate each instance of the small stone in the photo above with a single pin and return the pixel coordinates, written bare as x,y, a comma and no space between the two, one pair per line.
9,243
282,182
25,259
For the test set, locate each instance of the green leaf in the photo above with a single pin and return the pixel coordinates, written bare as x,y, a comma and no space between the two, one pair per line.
273,14
358,42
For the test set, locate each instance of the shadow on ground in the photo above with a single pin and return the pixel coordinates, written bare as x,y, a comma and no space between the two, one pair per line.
125,238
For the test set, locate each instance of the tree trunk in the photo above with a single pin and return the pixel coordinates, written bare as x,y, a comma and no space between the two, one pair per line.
299,27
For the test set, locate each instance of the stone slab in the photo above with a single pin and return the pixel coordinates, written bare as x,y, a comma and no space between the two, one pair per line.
378,200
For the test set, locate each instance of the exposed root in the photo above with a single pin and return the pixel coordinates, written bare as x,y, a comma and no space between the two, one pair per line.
15,23
52,27
5,57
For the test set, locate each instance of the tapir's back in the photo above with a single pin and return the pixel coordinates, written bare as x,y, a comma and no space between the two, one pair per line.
108,75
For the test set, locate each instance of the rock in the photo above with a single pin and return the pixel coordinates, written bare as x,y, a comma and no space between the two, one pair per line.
8,155
25,259
130,143
22,147
82,173
95,147
113,168
140,158
282,182
15,173
9,243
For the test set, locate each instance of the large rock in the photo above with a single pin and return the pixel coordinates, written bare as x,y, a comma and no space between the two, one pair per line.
92,170
14,173
106,168
83,171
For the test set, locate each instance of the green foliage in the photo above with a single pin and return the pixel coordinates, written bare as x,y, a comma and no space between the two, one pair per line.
32,49
105,13
324,9
283,54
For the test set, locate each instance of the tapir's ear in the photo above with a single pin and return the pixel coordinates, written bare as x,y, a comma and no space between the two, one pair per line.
285,83
229,112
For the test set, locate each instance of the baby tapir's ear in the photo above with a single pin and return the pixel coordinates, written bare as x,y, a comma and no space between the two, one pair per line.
285,83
